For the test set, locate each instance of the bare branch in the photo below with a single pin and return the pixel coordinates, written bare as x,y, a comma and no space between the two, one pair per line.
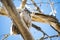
37,8
52,36
17,19
39,29
48,20
5,36
23,4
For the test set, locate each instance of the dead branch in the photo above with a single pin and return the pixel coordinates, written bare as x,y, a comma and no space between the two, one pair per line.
17,19
47,19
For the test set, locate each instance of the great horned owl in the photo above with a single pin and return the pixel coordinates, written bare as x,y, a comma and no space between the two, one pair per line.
27,19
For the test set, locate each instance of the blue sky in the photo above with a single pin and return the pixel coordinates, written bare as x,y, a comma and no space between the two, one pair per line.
5,22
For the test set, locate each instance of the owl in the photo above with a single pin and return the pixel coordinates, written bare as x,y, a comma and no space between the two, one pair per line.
25,15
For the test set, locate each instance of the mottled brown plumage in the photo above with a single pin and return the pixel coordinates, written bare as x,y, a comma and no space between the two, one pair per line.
27,19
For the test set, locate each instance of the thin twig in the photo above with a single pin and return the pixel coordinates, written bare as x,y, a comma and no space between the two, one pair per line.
39,29
5,36
37,8
52,36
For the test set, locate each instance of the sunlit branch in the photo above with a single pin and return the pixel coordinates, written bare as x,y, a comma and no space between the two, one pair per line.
23,4
48,20
3,12
17,19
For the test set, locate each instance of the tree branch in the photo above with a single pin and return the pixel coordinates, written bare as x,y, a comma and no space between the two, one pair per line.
17,19
37,8
39,29
52,36
3,12
23,4
47,19
5,36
